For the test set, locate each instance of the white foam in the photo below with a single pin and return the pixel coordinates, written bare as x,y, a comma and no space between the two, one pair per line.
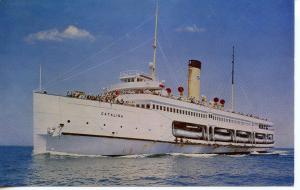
237,155
135,156
194,155
72,155
275,152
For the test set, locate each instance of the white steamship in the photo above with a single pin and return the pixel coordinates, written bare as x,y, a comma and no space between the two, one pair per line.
140,116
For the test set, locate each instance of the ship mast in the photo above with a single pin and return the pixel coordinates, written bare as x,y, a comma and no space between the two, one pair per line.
232,81
153,71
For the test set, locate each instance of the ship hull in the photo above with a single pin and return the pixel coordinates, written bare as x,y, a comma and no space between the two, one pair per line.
86,127
111,146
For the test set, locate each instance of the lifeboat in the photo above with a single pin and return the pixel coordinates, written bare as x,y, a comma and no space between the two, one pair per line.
219,137
222,135
259,138
188,134
243,136
242,140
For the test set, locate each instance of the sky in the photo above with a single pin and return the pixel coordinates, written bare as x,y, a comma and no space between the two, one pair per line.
85,44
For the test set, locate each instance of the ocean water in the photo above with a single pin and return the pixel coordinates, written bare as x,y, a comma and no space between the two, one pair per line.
19,168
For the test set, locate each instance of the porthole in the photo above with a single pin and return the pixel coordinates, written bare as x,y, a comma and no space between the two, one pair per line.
68,121
87,122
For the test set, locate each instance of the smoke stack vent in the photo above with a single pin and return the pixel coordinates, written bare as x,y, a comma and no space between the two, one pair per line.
180,90
169,91
194,79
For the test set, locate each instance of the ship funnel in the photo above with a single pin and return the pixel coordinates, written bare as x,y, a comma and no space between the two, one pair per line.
194,79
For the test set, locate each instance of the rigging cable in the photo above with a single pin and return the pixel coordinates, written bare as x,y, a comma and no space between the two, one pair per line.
99,52
167,63
180,70
107,61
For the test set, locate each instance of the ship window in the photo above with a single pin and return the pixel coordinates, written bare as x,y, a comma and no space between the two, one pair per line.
143,105
167,108
153,106
164,108
157,107
138,105
209,115
177,111
160,107
148,106
68,121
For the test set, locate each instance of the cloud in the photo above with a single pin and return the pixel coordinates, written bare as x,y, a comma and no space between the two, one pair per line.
192,29
71,32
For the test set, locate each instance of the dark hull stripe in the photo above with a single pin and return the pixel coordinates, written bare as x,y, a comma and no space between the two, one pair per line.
128,138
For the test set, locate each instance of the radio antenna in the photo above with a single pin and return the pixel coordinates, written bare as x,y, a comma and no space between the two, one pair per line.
232,81
40,78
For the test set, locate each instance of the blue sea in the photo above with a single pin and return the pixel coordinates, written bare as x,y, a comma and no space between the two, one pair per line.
19,168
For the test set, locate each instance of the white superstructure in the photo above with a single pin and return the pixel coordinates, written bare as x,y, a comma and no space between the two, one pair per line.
140,116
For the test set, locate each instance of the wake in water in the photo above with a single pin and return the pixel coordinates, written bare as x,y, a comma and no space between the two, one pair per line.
194,155
168,154
74,155
200,155
274,152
